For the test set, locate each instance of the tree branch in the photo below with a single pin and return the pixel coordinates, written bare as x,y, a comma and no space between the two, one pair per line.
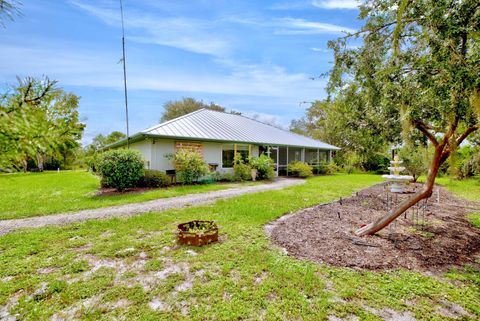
465,134
421,126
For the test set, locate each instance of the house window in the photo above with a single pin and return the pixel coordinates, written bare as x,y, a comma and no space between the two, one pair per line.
228,154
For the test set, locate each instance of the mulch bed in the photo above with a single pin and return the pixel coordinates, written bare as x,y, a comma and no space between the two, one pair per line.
432,239
107,191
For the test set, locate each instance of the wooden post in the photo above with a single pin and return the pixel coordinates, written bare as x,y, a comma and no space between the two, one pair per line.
287,160
278,160
249,150
302,155
234,150
329,156
318,156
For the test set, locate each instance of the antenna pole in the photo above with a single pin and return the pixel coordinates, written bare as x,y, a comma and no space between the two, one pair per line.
125,75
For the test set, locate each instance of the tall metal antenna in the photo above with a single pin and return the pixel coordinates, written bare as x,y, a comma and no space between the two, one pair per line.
125,75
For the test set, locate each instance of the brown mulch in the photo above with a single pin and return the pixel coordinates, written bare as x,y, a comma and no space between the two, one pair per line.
434,239
107,191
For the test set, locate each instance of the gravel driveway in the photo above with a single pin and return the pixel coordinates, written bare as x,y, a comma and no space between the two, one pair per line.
126,210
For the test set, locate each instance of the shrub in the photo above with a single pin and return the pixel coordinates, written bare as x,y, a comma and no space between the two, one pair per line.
121,168
226,177
241,171
324,168
331,168
300,169
92,162
349,169
154,178
264,166
189,165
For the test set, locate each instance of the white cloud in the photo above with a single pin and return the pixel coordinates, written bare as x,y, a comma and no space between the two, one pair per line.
292,26
336,4
320,50
90,67
193,35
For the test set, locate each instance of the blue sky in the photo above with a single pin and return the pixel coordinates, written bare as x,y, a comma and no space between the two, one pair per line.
252,56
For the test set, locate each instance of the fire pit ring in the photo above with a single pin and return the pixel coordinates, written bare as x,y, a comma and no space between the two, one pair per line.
197,233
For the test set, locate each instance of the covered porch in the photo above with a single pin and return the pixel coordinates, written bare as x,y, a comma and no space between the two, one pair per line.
284,155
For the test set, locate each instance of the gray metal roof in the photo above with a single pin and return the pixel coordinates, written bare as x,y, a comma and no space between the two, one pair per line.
205,124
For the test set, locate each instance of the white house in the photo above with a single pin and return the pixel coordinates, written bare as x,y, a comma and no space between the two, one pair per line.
218,136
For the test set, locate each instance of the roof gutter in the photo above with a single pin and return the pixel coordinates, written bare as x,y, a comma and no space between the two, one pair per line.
139,136
123,142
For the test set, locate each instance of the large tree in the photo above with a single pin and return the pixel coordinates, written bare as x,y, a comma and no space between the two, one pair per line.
420,64
37,119
358,133
174,109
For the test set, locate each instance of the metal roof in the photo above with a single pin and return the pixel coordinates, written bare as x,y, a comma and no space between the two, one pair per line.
209,125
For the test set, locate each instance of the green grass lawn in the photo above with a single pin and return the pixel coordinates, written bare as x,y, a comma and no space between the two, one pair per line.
35,194
468,189
131,269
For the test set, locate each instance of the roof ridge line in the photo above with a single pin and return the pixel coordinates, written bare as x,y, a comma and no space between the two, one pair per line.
264,123
172,120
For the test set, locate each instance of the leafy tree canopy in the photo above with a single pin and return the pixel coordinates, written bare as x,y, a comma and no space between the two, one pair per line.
418,65
37,119
174,109
100,141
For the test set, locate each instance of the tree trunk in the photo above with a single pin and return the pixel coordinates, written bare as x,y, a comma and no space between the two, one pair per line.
426,192
40,161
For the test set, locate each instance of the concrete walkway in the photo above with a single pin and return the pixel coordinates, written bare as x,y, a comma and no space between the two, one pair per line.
7,226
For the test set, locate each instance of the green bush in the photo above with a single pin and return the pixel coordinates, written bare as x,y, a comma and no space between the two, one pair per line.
225,177
349,169
324,168
264,166
121,168
300,169
189,166
241,171
154,178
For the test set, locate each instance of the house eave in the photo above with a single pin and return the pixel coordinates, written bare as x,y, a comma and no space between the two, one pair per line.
140,136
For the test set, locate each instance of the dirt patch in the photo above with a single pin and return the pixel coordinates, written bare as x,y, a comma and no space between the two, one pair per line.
433,237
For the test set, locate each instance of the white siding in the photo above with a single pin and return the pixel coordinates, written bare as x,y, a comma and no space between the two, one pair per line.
212,153
160,148
154,151
145,148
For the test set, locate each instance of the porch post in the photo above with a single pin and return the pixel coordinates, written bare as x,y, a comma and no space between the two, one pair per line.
318,156
287,160
303,155
329,156
249,150
278,158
